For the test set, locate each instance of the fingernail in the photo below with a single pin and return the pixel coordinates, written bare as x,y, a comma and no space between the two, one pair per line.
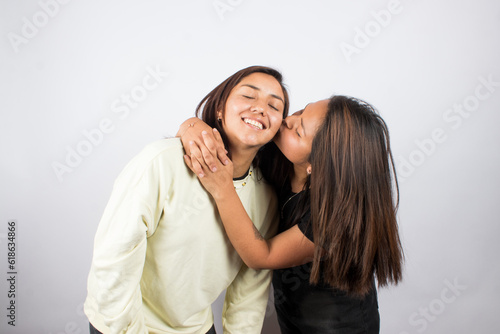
203,132
191,142
226,162
201,175
215,130
214,169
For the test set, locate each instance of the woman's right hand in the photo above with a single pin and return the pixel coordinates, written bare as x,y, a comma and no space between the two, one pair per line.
191,131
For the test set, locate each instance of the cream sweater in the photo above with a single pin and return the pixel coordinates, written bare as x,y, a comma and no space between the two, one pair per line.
161,255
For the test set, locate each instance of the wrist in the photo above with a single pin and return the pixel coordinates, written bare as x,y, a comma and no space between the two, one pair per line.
224,193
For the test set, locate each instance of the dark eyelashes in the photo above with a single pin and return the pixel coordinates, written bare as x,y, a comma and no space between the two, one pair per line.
252,98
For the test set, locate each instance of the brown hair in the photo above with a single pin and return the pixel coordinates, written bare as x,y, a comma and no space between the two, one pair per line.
353,209
216,100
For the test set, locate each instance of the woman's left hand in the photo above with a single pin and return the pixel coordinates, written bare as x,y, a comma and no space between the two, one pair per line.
215,182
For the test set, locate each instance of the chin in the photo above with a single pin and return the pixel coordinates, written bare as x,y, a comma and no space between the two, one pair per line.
253,141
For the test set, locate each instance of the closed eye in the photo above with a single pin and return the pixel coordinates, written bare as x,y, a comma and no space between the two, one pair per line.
248,97
298,134
274,107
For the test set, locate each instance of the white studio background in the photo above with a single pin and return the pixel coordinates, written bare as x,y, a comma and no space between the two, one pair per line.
432,68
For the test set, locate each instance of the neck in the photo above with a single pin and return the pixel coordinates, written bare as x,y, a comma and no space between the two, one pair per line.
299,178
242,159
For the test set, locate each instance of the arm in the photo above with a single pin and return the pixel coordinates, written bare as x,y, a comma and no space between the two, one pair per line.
247,297
120,249
287,249
184,127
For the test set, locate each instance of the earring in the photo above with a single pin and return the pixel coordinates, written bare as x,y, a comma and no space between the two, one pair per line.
308,171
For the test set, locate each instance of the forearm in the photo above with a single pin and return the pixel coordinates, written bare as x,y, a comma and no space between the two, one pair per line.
253,249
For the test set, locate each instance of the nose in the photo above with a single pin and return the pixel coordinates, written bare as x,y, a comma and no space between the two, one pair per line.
258,107
290,121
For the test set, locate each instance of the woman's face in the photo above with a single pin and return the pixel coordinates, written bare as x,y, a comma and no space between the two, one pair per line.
253,112
298,130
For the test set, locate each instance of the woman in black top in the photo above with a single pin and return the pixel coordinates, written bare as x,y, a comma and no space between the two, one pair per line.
338,230
302,307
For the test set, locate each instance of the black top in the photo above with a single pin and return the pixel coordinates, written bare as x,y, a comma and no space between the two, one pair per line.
305,308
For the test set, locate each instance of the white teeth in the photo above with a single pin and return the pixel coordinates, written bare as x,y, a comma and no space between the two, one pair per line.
254,123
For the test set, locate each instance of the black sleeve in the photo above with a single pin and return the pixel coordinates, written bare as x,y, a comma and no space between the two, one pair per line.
306,227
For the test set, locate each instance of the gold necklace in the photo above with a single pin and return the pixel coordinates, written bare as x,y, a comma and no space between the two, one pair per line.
246,178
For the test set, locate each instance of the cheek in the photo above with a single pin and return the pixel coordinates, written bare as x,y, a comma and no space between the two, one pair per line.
294,148
238,105
232,111
287,143
276,122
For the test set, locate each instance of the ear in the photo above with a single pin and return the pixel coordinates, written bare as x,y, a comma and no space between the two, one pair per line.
309,170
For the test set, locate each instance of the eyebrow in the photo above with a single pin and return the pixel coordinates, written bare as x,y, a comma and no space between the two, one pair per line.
257,88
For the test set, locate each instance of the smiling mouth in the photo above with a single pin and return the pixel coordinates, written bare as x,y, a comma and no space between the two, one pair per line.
256,124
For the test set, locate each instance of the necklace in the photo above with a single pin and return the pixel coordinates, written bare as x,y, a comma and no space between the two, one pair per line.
288,200
245,178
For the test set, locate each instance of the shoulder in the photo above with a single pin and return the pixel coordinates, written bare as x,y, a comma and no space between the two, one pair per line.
161,147
168,150
156,157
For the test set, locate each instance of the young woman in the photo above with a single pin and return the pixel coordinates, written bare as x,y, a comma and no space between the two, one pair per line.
338,229
161,256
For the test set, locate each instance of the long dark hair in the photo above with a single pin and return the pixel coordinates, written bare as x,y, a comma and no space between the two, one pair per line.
215,101
352,199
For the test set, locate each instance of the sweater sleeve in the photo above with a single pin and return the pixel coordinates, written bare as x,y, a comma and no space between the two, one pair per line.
246,301
131,215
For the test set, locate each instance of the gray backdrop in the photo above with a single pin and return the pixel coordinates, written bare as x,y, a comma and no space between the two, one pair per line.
86,84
